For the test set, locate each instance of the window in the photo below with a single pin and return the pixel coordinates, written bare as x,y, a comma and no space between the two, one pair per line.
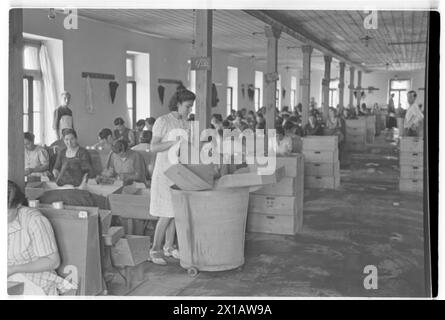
293,92
32,90
400,89
232,82
192,86
258,90
131,89
229,99
333,93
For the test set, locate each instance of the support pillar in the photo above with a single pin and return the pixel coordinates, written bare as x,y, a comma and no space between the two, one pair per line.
271,77
341,86
359,89
305,84
351,87
325,86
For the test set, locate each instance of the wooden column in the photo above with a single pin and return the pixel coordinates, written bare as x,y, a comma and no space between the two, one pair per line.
351,87
305,84
203,36
359,89
325,85
341,85
271,77
16,149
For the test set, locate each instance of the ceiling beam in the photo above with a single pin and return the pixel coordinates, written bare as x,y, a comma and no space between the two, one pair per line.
315,43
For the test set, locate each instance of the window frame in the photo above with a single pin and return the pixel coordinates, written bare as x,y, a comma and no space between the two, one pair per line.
132,81
398,92
229,105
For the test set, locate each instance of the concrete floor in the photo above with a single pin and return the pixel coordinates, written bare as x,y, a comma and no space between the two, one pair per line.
365,222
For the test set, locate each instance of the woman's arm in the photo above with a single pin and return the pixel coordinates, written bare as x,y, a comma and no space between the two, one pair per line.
58,164
48,263
86,162
158,146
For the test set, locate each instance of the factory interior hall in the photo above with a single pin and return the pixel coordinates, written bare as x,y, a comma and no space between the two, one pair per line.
335,99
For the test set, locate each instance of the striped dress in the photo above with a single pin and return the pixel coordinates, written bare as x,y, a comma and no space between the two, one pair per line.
30,237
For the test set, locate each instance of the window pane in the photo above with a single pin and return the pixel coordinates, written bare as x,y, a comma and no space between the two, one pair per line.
130,115
25,95
129,67
31,58
130,95
37,130
37,95
400,84
25,123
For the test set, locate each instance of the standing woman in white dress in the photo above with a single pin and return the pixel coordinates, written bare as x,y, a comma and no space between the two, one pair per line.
160,198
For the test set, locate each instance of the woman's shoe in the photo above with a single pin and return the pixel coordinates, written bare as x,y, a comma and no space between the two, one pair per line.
156,258
171,252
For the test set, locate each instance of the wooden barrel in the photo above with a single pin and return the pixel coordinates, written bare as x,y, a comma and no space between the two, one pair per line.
211,227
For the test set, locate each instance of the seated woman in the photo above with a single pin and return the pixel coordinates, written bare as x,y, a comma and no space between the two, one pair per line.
36,158
125,164
284,143
333,125
312,128
105,140
73,163
33,255
123,133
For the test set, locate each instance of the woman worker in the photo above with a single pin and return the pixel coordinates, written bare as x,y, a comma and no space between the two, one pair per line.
160,199
123,133
73,164
33,256
36,157
126,164
105,140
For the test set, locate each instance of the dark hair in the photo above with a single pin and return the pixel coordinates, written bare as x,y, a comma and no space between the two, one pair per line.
279,130
150,121
120,146
105,133
15,195
119,121
68,131
191,117
239,113
29,136
413,92
140,123
218,117
288,125
180,96
229,118
226,124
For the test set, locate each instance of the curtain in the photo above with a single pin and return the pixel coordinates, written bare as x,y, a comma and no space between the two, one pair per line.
49,95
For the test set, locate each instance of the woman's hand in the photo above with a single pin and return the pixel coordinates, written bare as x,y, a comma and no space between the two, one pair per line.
56,173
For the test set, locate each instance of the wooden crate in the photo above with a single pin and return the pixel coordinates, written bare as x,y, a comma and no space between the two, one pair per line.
318,182
411,144
370,136
78,242
355,146
113,235
322,169
15,288
131,250
275,224
411,158
317,143
351,137
320,156
411,172
411,185
132,203
288,186
248,179
356,126
274,205
293,164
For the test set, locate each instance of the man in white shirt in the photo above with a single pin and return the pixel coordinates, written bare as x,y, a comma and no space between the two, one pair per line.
414,117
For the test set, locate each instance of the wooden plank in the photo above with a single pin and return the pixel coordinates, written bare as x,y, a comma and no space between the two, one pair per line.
249,179
16,150
318,182
287,186
131,250
411,158
204,171
356,146
186,179
293,164
412,172
322,169
411,185
326,143
113,235
203,36
273,205
264,223
133,205
320,156
411,144
359,138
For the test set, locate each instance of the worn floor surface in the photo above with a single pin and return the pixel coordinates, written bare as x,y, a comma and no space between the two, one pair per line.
365,222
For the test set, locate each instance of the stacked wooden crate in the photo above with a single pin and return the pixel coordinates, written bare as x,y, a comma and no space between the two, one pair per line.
370,129
278,208
411,164
356,135
322,167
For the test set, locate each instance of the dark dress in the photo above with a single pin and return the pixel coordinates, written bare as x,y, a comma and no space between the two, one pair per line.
71,170
124,135
59,113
